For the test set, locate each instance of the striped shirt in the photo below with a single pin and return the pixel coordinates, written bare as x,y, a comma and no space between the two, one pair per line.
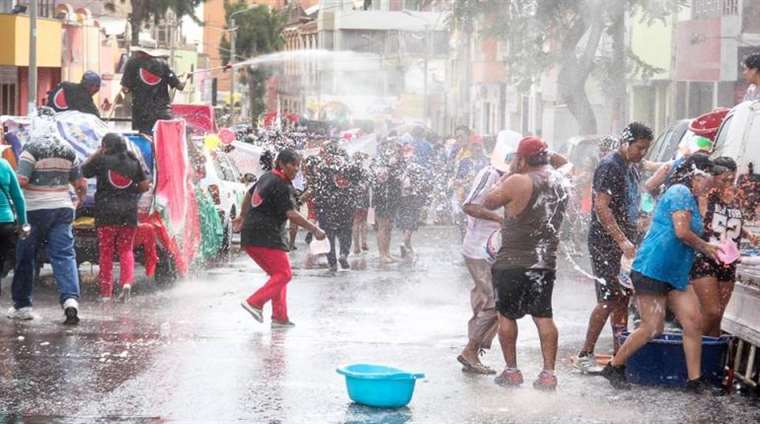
478,230
51,167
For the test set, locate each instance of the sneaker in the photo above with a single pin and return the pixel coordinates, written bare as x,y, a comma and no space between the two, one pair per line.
71,310
616,376
105,299
254,311
126,293
21,314
545,381
702,386
509,378
282,324
344,263
333,267
584,363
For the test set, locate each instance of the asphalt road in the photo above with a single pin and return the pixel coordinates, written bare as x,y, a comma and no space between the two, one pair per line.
190,353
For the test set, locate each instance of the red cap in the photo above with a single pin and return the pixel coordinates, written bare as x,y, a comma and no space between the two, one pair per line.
530,146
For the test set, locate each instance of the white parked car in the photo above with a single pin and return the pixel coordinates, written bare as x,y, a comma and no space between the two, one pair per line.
222,180
739,136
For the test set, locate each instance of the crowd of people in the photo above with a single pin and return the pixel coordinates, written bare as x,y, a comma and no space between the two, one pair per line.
673,260
699,211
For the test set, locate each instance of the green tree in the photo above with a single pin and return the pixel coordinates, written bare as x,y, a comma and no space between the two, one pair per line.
259,32
569,35
144,11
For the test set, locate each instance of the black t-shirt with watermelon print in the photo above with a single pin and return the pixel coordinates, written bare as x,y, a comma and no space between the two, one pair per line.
71,96
149,79
272,197
116,197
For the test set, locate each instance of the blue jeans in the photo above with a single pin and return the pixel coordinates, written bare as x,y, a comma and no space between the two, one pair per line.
53,226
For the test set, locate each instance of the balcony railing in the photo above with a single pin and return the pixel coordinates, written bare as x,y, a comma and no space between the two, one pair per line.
705,9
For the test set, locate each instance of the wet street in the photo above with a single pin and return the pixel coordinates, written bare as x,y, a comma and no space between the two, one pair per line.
190,353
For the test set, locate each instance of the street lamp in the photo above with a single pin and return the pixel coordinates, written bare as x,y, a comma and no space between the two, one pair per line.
233,32
425,71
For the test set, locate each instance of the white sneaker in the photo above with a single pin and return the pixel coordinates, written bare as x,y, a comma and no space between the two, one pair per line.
282,324
71,310
23,314
585,363
255,312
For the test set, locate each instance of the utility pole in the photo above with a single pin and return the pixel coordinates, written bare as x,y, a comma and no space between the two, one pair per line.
233,33
427,54
32,108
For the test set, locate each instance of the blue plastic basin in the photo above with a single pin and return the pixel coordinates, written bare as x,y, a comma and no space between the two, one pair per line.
378,385
662,362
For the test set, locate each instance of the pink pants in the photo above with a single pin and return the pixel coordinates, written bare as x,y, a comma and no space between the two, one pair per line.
276,264
121,239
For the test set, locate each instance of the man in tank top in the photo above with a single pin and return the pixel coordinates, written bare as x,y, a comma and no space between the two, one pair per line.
534,198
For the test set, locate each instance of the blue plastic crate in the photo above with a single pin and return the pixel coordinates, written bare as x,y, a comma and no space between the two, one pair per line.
662,362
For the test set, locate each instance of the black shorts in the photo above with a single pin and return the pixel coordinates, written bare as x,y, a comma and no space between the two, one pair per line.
646,285
522,291
605,264
706,267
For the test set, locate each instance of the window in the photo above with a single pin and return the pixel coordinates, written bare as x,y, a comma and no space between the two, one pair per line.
45,8
7,99
722,137
412,4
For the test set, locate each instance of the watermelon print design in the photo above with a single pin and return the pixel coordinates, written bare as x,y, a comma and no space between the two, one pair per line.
59,100
256,199
149,78
119,181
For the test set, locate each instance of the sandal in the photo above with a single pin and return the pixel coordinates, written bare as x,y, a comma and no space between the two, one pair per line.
474,368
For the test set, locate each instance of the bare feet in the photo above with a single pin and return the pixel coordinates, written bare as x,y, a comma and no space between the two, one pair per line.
387,260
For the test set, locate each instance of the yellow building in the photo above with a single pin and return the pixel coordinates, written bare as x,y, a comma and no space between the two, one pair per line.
14,61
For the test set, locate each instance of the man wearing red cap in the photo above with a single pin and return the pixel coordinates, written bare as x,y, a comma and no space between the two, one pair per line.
534,197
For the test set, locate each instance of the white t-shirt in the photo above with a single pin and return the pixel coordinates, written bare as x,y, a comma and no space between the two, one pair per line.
478,230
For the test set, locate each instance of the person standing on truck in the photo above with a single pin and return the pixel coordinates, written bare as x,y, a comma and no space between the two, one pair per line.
72,96
120,181
149,78
47,168
267,207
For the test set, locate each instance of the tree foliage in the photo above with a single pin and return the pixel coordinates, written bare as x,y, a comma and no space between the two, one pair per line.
578,37
259,32
146,11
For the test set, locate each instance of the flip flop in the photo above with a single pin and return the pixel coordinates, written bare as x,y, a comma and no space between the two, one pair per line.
474,368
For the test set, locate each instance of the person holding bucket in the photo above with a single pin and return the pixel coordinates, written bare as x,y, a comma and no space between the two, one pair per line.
660,273
713,281
267,207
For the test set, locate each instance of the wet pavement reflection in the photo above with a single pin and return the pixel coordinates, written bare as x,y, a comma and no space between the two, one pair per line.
190,353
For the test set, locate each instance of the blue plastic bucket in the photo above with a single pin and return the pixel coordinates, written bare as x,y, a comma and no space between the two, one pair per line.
662,362
378,385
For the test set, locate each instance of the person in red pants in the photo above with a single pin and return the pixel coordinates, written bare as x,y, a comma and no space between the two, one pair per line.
120,181
267,207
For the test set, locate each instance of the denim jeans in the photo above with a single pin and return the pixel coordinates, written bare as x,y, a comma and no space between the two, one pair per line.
53,226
